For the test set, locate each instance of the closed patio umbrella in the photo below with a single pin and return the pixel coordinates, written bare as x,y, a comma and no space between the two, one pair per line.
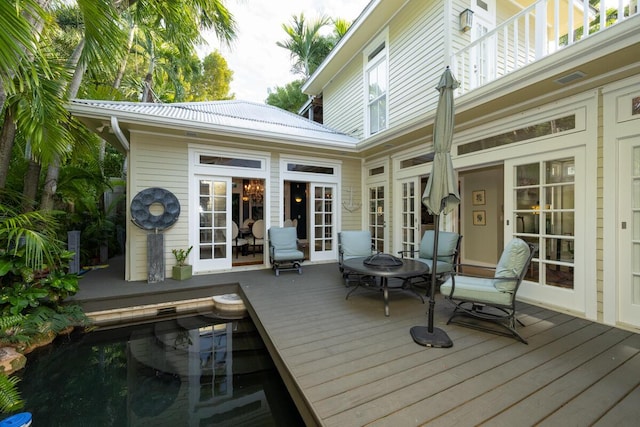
440,196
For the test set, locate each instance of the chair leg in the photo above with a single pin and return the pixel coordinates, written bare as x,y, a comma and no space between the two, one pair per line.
507,322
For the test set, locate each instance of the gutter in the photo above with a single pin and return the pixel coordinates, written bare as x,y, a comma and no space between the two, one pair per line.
115,126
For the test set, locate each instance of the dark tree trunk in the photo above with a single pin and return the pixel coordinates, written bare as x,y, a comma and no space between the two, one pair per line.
30,188
6,146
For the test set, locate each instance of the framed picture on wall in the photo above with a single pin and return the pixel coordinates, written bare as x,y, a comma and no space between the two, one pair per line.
479,217
478,197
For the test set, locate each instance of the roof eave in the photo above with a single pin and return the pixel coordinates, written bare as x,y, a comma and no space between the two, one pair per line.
126,119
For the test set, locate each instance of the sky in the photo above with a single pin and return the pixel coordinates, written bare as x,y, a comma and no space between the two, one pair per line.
256,61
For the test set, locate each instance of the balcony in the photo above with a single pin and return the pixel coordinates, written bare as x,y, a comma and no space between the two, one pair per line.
541,29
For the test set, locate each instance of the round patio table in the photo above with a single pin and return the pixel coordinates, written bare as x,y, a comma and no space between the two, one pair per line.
408,268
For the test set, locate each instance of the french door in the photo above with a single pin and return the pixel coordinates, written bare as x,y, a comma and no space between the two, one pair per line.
323,222
629,231
546,200
410,205
484,53
377,217
213,247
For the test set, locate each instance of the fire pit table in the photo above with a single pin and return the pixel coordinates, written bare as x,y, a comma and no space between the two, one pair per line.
385,266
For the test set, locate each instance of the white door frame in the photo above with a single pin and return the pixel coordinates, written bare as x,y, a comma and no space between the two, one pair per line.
323,247
214,263
371,180
413,203
620,128
627,233
316,179
259,169
569,299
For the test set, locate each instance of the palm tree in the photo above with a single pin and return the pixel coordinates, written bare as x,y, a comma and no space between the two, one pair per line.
179,23
307,46
18,42
103,36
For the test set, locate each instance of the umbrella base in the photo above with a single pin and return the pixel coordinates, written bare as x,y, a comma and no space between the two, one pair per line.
438,338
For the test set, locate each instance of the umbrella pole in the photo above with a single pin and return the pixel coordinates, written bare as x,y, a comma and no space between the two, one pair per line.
430,336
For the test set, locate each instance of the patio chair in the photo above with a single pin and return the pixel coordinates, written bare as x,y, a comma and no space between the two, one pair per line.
352,244
491,298
448,250
257,235
237,242
283,250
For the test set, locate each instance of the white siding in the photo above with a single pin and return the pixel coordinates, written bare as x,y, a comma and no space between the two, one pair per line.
417,58
275,209
344,101
416,39
351,180
157,161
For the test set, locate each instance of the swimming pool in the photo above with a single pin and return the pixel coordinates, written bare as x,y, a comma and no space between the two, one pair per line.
189,371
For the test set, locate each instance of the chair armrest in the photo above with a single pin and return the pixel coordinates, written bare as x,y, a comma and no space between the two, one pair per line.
411,252
458,267
456,272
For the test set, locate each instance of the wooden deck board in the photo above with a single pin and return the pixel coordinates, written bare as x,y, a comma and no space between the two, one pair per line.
353,366
447,385
537,388
594,402
346,364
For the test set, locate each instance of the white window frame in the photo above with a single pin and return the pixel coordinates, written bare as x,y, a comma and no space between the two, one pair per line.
380,58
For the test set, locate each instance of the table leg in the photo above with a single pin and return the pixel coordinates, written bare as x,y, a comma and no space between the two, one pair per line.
385,292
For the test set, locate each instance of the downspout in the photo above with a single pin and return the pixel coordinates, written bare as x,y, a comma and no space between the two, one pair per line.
115,127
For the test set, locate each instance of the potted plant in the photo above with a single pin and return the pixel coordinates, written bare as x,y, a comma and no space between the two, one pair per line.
182,270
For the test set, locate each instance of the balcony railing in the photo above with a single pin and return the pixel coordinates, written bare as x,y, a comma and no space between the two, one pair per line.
537,31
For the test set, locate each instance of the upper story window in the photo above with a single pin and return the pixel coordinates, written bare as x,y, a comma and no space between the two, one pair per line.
376,67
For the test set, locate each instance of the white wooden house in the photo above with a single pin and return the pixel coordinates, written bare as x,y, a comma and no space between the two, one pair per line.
546,146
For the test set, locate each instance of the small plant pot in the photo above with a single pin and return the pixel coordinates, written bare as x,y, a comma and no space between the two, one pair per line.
181,272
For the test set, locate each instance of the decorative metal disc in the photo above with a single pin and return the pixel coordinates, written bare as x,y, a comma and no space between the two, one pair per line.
141,213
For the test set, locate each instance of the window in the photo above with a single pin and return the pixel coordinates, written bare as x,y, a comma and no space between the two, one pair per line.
376,60
294,167
228,161
537,130
416,161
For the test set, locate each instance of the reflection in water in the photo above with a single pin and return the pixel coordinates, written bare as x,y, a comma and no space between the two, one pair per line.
196,371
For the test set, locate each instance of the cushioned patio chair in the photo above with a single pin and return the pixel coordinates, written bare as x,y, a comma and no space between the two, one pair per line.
283,250
491,298
353,244
448,250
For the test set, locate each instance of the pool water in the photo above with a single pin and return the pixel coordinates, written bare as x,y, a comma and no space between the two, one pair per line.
192,371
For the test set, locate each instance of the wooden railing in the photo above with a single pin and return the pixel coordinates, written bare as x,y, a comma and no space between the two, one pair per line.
537,31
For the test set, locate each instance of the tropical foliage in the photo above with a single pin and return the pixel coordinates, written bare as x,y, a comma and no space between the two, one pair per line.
308,47
52,51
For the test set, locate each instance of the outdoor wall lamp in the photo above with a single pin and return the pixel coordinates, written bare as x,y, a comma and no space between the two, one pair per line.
466,20
298,199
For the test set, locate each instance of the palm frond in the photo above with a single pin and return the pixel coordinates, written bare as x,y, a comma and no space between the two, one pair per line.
10,399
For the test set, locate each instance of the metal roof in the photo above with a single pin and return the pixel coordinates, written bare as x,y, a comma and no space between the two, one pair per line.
231,116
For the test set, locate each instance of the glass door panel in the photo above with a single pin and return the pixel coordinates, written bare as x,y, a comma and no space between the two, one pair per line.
377,219
544,202
544,215
323,231
214,209
629,232
409,214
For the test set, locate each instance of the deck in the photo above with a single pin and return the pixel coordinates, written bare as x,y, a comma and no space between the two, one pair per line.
346,364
